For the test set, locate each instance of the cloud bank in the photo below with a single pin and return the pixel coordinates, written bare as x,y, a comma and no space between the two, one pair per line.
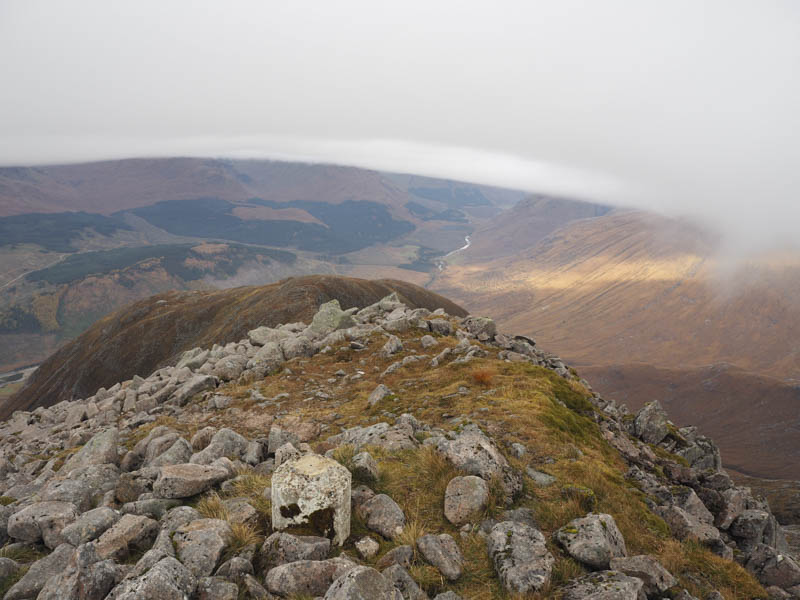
685,107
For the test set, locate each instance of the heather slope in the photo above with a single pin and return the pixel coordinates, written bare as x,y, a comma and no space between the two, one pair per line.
153,332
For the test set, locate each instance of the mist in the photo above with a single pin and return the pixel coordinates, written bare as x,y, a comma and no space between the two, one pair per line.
685,108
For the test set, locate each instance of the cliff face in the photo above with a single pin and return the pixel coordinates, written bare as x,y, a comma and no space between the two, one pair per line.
383,452
152,333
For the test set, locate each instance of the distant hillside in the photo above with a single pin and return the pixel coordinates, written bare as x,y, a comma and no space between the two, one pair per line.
153,332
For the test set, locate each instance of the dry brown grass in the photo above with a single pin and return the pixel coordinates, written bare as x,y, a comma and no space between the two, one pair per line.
483,376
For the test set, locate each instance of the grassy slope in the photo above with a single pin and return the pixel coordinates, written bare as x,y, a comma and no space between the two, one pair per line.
512,403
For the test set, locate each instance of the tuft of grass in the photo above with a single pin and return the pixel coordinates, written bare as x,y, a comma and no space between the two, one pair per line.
212,506
242,536
701,571
483,376
6,583
21,554
6,500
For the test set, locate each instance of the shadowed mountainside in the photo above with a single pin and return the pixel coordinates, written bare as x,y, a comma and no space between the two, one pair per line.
753,418
153,332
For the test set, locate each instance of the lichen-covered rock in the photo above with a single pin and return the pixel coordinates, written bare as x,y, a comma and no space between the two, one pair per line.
39,573
42,521
382,515
592,540
399,555
378,394
168,579
130,534
187,480
84,487
482,328
90,525
443,553
464,497
362,583
225,443
281,548
365,467
656,578
200,544
312,489
100,449
405,584
520,557
650,424
84,576
216,588
473,452
306,577
330,317
604,585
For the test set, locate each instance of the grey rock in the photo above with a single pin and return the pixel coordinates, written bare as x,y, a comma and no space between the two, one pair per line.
482,328
284,453
362,583
178,453
448,595
539,478
400,555
382,515
200,544
202,438
168,579
195,385
130,534
155,508
441,326
378,394
225,443
428,341
520,557
85,576
365,467
604,585
297,346
406,585
443,553
592,540
215,588
84,487
330,317
367,548
392,346
278,437
90,525
650,424
473,452
281,548
184,481
100,449
306,577
464,497
656,578
42,521
39,573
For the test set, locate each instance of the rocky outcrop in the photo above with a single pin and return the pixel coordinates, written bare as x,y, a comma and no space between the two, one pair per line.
159,487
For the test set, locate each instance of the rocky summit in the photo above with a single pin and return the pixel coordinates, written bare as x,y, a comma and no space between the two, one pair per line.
381,451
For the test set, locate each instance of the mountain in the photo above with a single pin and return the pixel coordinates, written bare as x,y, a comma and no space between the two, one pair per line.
644,305
151,333
80,241
379,453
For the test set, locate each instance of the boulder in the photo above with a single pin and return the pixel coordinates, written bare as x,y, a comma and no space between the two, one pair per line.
363,583
656,578
443,553
131,533
592,540
405,584
382,515
195,385
306,577
364,467
650,424
90,525
39,573
399,555
471,451
100,449
225,443
464,497
42,521
367,548
392,346
604,585
330,317
84,487
168,579
215,588
200,544
85,576
520,557
482,328
378,394
281,548
312,489
187,480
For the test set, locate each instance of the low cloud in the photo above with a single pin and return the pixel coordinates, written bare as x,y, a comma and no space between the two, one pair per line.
684,108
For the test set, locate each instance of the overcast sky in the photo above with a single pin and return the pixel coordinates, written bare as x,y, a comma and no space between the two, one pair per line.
687,106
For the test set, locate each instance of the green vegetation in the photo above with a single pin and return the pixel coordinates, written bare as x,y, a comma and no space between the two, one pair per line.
453,196
55,231
426,214
175,258
349,226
